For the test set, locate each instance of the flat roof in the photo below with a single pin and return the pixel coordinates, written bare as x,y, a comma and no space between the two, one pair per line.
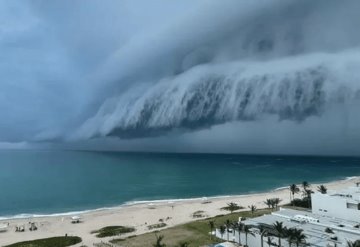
352,193
315,231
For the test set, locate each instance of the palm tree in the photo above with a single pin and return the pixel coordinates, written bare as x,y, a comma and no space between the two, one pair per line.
268,203
293,190
290,235
305,185
159,240
234,227
240,227
262,231
247,231
279,229
299,237
350,244
307,194
269,242
232,206
228,226
276,202
322,189
252,208
353,244
184,244
212,226
273,204
222,230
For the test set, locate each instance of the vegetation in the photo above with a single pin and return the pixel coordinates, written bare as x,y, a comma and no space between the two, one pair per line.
156,226
252,208
222,230
353,244
305,201
159,240
228,225
195,233
269,242
299,237
212,227
102,244
305,185
184,244
329,230
293,190
232,207
199,214
279,230
307,194
292,235
110,231
322,189
263,231
273,203
239,227
247,231
49,242
300,203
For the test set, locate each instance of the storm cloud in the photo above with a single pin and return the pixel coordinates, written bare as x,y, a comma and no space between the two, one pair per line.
250,76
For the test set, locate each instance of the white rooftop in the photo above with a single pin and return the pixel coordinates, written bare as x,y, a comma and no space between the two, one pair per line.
352,193
313,225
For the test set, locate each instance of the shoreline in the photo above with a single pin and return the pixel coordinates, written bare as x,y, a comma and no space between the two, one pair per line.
156,201
141,215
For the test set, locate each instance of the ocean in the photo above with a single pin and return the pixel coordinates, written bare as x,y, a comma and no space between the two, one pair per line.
36,182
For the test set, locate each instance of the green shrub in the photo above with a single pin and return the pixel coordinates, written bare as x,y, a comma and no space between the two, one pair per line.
303,203
232,207
198,214
112,231
49,242
155,226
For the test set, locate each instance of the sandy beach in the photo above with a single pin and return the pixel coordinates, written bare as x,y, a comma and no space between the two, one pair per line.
142,215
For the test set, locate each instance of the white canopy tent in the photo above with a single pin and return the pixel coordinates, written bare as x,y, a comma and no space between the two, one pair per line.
4,227
75,219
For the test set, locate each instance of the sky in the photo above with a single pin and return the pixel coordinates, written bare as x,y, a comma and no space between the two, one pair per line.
250,76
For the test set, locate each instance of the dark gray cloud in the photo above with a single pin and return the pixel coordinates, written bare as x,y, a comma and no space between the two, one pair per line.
209,76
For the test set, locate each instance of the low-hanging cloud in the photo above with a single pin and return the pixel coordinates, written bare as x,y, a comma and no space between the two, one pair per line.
135,75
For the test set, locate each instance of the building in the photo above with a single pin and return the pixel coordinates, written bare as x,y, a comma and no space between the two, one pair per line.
343,204
321,231
333,221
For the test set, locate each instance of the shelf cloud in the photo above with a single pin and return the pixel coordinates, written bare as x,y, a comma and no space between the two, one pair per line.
250,76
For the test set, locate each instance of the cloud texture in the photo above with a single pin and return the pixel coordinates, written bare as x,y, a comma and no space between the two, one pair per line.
209,76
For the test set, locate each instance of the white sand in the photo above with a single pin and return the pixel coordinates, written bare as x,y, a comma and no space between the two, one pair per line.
136,216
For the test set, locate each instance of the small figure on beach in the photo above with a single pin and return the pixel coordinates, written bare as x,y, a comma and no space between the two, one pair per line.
32,226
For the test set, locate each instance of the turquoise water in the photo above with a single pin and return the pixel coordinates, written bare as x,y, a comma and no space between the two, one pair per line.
46,182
